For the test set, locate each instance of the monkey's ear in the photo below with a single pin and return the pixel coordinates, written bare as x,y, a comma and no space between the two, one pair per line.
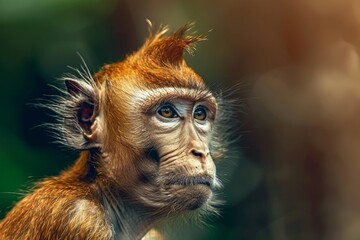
81,121
73,87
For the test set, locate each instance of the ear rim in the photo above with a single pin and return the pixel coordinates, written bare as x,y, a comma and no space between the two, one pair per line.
73,87
80,93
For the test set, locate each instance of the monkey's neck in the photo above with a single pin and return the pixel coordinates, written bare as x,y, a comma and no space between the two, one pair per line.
128,222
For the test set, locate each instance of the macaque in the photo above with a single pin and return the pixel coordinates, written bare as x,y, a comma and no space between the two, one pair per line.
147,129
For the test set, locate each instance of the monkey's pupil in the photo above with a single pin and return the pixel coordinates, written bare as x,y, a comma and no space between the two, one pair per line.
167,111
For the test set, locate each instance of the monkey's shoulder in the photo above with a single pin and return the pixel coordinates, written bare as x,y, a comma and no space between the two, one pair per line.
57,210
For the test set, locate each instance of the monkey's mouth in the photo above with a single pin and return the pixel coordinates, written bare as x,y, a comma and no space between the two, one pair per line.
190,181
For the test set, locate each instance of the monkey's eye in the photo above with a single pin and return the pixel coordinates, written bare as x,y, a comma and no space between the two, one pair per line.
200,114
168,112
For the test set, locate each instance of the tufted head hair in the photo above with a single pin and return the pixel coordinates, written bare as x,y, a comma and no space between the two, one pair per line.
159,61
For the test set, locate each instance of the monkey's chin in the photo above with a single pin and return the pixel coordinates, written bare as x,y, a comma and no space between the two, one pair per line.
189,192
194,196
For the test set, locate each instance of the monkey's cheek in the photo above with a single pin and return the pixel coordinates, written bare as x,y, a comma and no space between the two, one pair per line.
193,197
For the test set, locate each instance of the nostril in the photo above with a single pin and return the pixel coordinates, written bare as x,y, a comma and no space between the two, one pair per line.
197,154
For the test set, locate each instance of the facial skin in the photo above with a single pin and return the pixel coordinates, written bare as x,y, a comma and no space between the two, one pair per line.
180,131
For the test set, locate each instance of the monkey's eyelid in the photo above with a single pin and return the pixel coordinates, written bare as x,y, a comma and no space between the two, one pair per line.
149,104
209,103
201,106
156,105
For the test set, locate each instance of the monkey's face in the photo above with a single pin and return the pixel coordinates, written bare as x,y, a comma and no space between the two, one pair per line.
171,130
179,130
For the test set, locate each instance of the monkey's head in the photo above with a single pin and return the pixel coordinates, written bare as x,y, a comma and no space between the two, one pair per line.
152,121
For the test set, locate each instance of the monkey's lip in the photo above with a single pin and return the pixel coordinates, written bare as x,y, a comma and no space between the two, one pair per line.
190,180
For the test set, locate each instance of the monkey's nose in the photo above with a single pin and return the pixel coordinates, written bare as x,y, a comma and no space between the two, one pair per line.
198,154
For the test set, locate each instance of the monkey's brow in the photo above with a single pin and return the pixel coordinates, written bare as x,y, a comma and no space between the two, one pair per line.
190,84
149,99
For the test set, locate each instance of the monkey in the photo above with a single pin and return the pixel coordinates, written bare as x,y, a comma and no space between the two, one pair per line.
148,130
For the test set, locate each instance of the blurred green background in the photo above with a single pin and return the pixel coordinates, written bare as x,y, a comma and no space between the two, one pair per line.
291,67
